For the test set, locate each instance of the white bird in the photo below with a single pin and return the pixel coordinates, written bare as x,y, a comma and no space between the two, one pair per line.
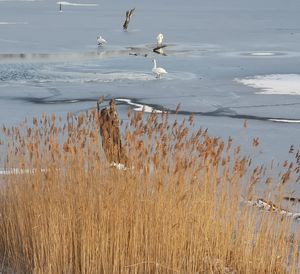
159,39
158,71
100,41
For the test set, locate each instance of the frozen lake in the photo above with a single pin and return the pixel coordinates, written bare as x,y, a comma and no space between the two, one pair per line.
228,61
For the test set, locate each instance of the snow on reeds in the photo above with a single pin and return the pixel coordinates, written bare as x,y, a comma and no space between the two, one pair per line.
176,208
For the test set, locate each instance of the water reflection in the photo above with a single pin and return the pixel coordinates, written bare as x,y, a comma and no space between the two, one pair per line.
145,50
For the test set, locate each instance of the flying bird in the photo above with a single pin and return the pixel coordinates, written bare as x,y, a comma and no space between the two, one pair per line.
100,41
157,70
129,13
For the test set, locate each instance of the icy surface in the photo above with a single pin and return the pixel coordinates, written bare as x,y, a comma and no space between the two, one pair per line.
228,61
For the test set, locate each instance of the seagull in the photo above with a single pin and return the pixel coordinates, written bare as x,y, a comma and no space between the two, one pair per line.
100,41
159,39
158,71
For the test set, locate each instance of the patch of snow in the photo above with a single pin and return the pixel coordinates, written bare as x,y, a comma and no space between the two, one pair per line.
288,84
64,3
139,107
13,23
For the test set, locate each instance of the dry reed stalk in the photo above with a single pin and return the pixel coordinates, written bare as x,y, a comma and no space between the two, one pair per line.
178,211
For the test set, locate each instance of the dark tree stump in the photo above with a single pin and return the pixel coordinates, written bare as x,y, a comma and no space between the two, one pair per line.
110,133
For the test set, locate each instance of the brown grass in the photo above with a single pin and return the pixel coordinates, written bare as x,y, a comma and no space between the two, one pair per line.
176,209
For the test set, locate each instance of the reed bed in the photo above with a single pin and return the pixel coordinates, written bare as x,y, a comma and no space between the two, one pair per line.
177,208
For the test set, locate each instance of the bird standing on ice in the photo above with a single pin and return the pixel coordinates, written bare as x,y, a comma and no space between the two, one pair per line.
158,71
100,41
159,39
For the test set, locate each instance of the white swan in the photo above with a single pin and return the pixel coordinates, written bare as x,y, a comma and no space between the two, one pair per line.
158,71
159,39
100,41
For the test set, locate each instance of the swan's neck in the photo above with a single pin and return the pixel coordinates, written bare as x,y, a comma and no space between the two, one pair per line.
154,61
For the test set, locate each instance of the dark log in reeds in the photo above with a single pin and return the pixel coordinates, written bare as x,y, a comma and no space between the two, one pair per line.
110,133
129,13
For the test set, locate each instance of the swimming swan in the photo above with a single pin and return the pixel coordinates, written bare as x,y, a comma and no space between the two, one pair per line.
158,71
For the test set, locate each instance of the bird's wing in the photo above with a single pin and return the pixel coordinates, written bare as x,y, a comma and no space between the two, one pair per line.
161,70
131,12
127,20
